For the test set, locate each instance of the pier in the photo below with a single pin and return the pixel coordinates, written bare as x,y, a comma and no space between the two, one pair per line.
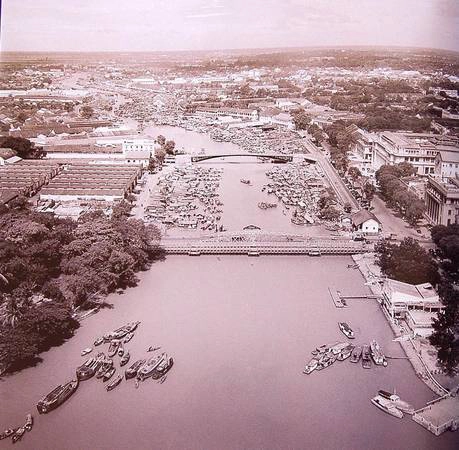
257,244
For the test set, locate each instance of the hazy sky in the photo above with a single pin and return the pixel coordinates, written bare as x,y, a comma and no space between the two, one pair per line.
91,25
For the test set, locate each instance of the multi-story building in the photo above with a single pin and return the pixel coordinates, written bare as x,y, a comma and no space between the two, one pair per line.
442,200
361,155
447,163
138,151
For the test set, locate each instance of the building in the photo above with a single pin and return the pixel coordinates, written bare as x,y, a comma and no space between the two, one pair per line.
442,200
400,299
361,154
365,222
418,149
138,151
246,114
447,164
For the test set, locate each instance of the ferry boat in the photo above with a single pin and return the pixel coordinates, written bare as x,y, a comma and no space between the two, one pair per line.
113,348
57,396
386,406
356,355
147,369
131,372
125,359
377,354
397,402
346,329
114,383
163,367
366,360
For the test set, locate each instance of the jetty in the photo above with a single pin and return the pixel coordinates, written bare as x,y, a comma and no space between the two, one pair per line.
336,297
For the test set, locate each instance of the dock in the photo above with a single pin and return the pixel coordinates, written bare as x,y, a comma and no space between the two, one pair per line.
439,415
336,297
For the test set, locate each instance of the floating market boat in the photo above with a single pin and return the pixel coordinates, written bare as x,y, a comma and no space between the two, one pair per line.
131,372
356,354
147,369
366,359
377,354
397,401
162,368
386,406
125,359
57,396
346,329
114,383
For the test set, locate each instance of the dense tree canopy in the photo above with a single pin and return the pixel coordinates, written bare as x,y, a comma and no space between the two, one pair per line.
22,147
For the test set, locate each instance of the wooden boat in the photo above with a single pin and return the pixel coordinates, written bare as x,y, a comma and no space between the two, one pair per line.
377,354
57,396
17,436
356,354
113,348
346,352
98,341
131,372
128,337
104,367
397,401
310,366
114,383
366,360
162,368
108,374
125,359
346,330
29,422
7,433
147,369
120,350
86,351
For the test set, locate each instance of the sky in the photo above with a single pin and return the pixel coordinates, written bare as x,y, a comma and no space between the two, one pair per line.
162,25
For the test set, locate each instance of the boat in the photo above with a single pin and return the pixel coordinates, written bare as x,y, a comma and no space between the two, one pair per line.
132,326
99,341
245,181
120,350
147,369
386,406
86,370
336,349
128,337
397,401
356,354
323,348
377,354
345,353
131,372
125,359
108,374
346,329
114,383
57,396
104,367
366,360
113,348
29,422
162,368
86,351
310,366
7,433
153,349
17,436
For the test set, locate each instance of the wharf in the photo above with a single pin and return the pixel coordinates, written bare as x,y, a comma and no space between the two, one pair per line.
439,415
336,297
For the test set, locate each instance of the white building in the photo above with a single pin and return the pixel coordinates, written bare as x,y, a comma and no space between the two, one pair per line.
138,151
447,163
365,222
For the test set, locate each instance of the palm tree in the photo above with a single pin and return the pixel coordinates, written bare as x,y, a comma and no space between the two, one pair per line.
11,311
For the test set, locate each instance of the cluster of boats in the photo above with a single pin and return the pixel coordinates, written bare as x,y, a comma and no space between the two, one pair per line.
392,404
16,434
327,354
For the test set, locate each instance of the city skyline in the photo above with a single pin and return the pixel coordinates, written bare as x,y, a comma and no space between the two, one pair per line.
47,25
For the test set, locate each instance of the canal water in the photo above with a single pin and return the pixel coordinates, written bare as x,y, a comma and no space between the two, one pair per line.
240,330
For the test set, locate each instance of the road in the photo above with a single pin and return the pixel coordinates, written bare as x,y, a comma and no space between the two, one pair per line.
335,180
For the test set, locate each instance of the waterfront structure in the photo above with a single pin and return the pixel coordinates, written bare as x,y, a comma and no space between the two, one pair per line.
442,200
247,114
365,222
399,298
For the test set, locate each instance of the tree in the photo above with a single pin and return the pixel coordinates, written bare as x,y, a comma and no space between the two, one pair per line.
407,262
329,213
161,140
121,209
87,111
354,173
369,190
301,119
22,147
414,210
169,147
160,154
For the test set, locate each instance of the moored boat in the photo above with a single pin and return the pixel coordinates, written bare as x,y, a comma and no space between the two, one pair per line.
386,406
57,396
114,383
128,337
147,369
131,372
29,422
346,352
108,374
17,436
366,359
7,433
356,354
98,341
113,348
162,368
397,401
120,350
310,366
106,364
86,351
336,349
377,354
125,359
346,330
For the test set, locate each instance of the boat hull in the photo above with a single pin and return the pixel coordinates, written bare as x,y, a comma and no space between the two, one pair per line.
56,397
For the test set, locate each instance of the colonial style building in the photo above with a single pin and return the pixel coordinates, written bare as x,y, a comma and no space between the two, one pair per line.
442,200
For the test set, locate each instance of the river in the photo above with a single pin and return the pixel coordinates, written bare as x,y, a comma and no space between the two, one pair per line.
240,330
